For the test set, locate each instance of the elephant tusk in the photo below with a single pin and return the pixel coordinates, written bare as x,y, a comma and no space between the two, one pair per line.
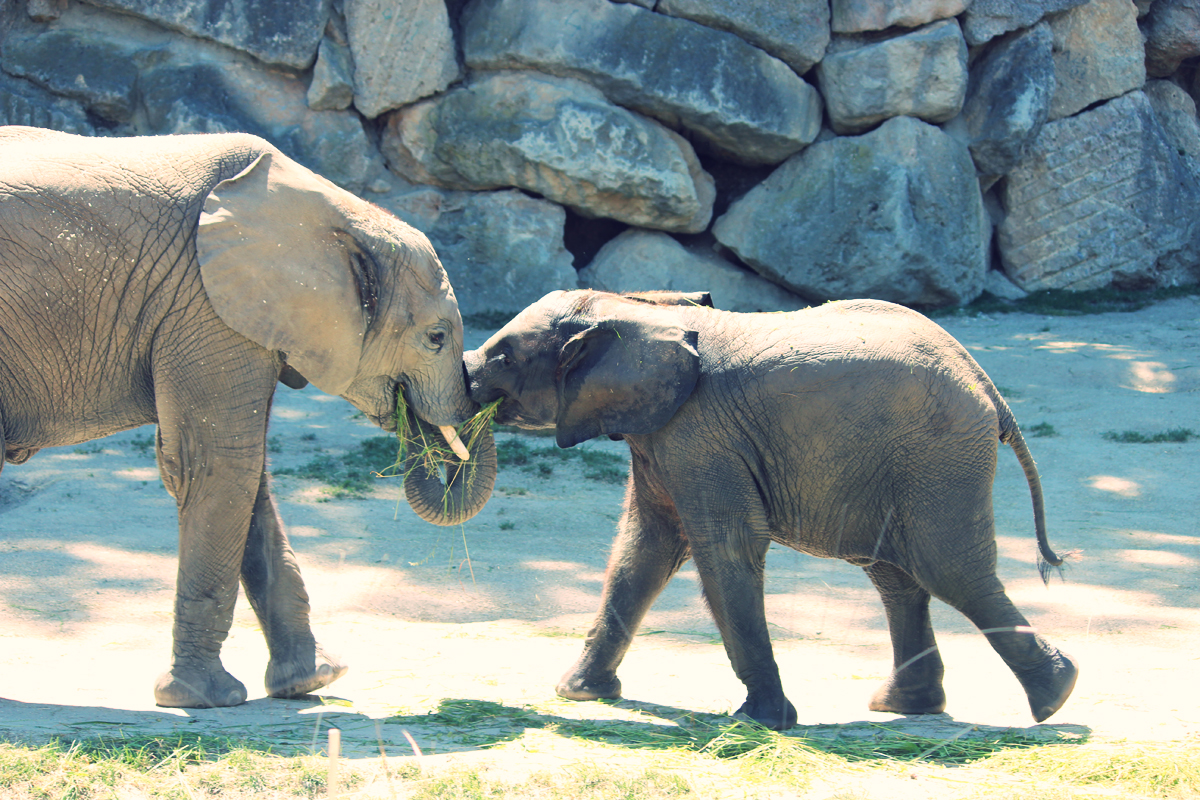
456,444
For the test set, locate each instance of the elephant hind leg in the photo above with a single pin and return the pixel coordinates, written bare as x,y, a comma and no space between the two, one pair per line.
271,578
1046,673
915,685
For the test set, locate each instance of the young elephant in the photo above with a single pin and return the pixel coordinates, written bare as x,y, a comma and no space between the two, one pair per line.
857,430
174,280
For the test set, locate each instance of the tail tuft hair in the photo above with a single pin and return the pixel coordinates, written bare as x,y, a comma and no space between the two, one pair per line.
1060,565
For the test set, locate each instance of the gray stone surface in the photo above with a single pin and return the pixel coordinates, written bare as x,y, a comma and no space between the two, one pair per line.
921,74
403,51
96,72
894,214
502,250
22,103
794,31
853,16
1172,30
732,95
282,32
1008,98
45,10
332,86
1176,112
1098,55
986,19
214,96
1101,197
644,261
559,138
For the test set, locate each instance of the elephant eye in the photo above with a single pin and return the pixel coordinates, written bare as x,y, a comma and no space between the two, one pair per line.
435,339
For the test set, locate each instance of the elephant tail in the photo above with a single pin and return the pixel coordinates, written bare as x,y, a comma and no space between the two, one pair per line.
1010,434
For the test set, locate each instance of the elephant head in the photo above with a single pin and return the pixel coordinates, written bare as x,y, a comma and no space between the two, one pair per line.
589,363
355,299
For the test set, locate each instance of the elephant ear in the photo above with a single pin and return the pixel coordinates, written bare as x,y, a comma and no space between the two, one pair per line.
623,377
277,268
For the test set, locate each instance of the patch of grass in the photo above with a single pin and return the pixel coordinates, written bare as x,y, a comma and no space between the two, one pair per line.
1174,436
643,757
1042,430
351,474
599,465
1152,770
154,766
143,444
1061,303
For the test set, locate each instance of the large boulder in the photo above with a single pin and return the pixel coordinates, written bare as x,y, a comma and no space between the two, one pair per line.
22,103
728,93
921,74
644,261
1172,29
332,85
986,19
794,31
205,96
280,32
1101,198
1008,98
403,51
856,16
559,138
1098,55
502,250
77,64
894,214
1176,112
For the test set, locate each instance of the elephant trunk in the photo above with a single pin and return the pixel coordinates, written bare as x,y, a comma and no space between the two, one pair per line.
443,488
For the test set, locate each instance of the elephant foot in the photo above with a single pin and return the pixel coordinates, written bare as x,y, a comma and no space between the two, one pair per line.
775,712
575,686
300,676
184,688
1049,686
895,699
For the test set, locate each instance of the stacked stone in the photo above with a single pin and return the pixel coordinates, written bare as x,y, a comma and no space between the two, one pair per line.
775,152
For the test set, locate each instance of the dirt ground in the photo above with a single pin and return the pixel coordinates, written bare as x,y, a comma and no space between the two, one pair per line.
495,610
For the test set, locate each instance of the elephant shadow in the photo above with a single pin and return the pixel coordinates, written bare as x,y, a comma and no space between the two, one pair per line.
301,727
482,724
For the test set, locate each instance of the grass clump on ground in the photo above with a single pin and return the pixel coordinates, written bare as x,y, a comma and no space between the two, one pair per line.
1062,303
158,766
641,756
598,465
1173,436
351,474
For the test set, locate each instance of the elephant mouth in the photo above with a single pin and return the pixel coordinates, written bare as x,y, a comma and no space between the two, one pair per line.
392,400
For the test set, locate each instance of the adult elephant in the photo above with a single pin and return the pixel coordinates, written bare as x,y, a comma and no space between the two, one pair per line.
174,280
857,430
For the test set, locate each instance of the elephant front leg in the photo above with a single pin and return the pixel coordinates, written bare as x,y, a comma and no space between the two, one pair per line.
732,576
915,685
271,578
648,551
212,531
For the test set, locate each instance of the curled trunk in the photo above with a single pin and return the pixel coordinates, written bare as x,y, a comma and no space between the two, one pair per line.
440,487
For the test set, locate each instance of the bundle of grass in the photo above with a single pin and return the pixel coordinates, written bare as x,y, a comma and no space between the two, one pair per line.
448,472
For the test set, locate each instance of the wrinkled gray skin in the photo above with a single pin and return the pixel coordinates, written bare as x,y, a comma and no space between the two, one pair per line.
174,280
856,430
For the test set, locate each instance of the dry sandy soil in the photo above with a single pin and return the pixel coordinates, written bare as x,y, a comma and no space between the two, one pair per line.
495,610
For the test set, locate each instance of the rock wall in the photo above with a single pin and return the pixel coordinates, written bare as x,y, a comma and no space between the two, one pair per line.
775,152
